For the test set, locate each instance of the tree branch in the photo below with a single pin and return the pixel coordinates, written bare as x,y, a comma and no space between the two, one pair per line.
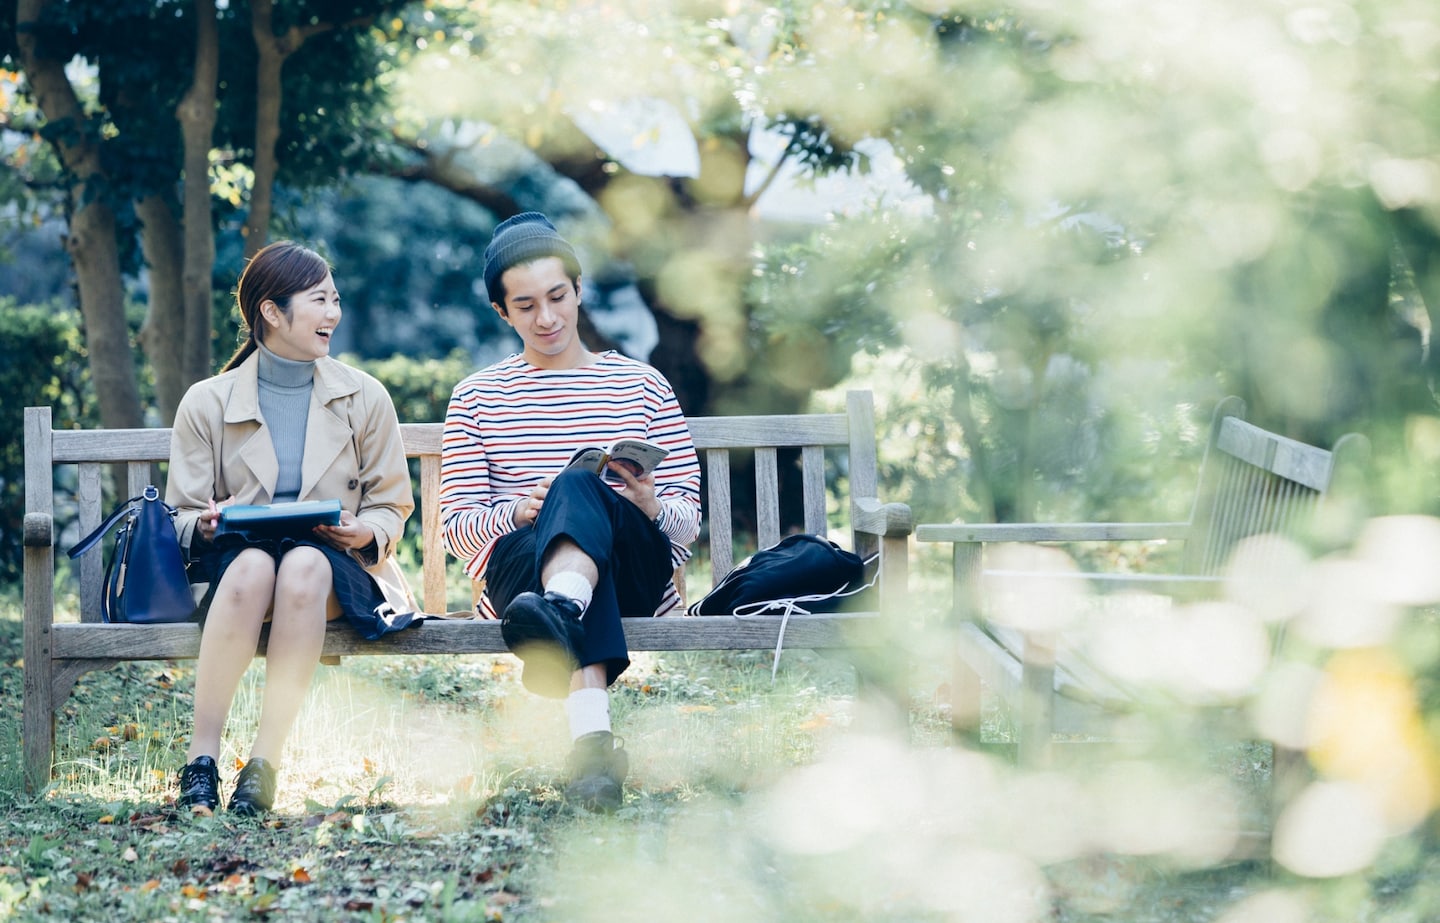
440,169
773,175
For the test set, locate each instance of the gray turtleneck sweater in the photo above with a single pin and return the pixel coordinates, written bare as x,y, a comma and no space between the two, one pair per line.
285,387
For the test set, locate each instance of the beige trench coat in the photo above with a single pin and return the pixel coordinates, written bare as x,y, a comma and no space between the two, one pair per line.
220,447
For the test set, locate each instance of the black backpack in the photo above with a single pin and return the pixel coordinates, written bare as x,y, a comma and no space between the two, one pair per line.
802,573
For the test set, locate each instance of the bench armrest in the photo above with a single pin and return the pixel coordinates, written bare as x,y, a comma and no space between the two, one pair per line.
890,520
39,530
1050,531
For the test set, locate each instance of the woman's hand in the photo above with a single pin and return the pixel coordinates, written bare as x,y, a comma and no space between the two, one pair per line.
529,507
210,519
351,535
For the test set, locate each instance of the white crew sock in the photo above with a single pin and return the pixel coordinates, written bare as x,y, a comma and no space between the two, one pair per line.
571,584
589,711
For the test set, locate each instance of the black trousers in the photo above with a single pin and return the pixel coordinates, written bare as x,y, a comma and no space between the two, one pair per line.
630,552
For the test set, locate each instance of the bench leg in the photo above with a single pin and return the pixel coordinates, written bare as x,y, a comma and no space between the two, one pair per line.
39,727
966,697
1037,701
38,710
1289,773
966,689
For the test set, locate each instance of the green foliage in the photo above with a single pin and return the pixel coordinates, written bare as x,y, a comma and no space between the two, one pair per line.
1104,250
42,346
134,63
407,261
420,388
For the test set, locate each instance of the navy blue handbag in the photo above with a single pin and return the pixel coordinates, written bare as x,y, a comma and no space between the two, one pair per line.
145,579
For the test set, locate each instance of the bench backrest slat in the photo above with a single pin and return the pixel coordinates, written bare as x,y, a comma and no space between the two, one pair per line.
716,439
812,467
89,496
717,488
1253,482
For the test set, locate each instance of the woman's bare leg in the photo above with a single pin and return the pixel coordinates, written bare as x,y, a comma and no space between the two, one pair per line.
297,633
227,645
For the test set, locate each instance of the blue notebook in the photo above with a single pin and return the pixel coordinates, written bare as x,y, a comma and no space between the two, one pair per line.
277,520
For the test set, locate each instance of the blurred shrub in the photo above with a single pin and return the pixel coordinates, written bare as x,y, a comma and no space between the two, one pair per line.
420,387
44,366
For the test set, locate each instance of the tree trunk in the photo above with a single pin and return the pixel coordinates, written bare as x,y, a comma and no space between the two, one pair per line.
197,113
272,51
91,239
271,58
160,336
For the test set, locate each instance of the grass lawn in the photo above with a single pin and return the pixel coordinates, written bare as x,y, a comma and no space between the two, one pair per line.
425,789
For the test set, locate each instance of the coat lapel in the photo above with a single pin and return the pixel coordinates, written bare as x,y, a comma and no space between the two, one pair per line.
326,432
257,453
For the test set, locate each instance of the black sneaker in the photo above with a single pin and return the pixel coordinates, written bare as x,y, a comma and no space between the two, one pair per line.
545,633
200,786
254,789
597,769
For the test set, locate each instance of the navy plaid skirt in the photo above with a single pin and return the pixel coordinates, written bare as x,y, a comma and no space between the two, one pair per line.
361,600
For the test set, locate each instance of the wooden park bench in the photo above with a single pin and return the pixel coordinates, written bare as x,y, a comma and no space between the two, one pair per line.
1252,482
57,652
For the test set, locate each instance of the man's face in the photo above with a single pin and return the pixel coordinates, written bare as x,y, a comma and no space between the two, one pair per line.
542,305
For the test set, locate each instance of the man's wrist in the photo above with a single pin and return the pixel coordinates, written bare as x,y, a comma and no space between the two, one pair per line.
659,518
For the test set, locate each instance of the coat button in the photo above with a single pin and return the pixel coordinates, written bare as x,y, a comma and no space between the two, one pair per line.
353,484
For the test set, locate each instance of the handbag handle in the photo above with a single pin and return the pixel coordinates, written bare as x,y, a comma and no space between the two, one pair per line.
151,493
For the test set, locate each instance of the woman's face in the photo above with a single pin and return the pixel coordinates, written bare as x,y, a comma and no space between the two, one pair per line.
303,333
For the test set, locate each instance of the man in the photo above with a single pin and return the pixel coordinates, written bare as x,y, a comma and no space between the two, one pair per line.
562,554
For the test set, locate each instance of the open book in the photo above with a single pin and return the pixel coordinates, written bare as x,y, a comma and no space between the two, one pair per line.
639,456
277,520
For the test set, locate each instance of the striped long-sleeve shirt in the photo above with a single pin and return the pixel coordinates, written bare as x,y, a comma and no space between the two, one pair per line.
512,424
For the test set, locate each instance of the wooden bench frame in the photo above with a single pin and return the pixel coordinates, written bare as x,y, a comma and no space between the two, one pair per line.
57,653
1251,482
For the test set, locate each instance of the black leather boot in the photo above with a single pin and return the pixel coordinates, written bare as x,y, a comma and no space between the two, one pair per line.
254,789
200,786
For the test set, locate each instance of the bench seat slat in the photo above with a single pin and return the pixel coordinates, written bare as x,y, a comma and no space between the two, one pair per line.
77,641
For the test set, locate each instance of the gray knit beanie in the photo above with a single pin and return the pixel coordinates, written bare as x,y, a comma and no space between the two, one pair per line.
527,236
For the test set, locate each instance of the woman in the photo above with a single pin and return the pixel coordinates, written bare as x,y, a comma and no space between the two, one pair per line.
281,422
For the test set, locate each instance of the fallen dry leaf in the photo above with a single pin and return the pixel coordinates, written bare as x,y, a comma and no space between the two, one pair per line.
150,885
301,876
129,855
